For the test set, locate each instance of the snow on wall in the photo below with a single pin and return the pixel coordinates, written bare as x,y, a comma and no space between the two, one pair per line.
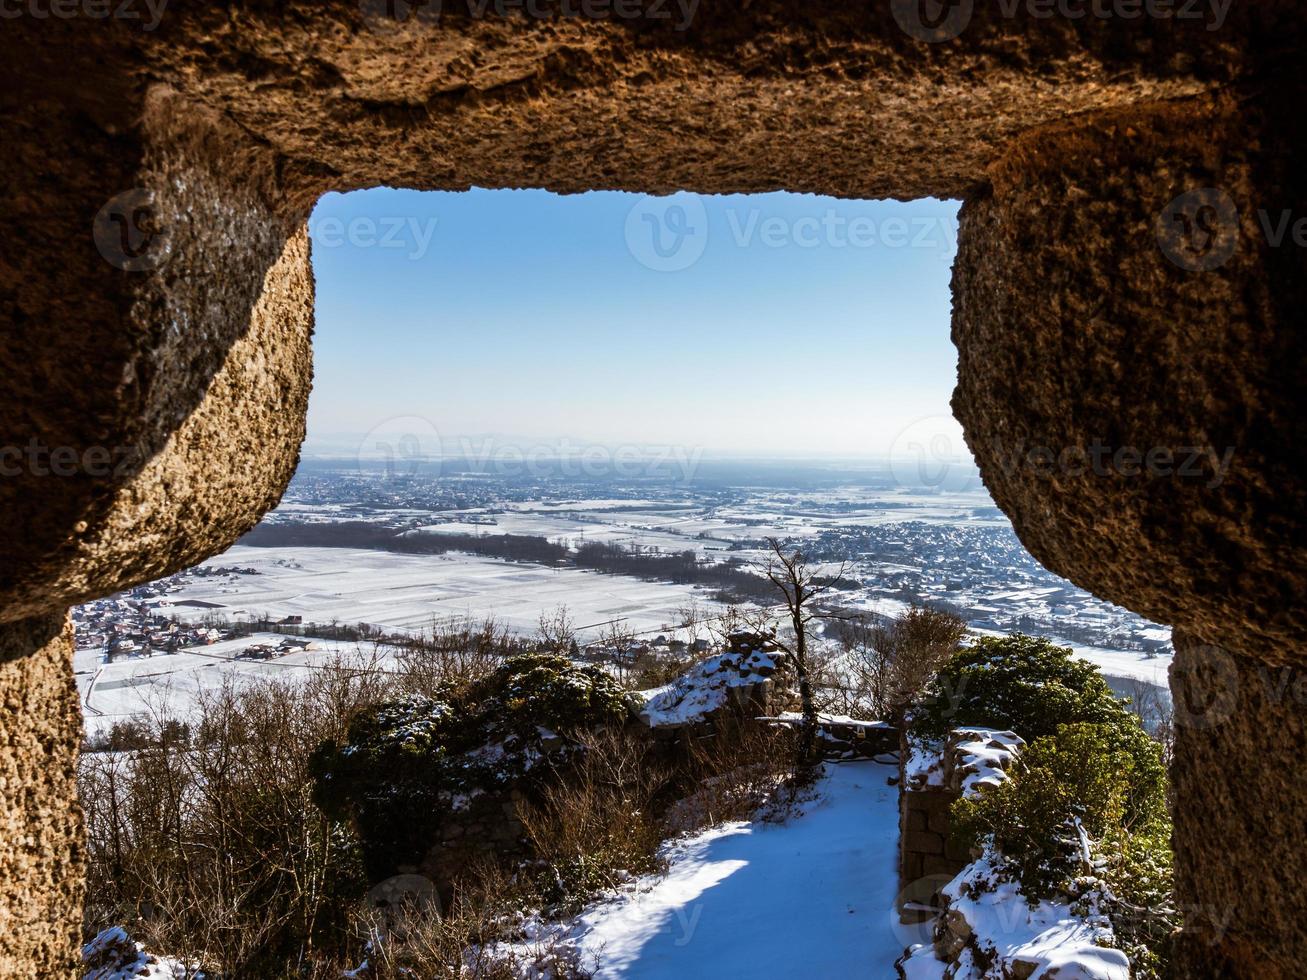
979,758
709,686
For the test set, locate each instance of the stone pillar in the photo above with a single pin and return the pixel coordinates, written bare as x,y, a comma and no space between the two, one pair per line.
40,820
1131,360
1241,813
157,304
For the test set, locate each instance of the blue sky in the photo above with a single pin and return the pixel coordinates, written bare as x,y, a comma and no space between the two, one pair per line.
773,324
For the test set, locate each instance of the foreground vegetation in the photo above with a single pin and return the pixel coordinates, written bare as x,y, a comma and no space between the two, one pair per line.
1083,816
244,838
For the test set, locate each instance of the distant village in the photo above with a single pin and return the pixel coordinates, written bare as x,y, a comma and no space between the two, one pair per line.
145,622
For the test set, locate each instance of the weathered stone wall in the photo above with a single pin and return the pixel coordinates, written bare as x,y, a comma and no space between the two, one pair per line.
928,858
182,422
487,829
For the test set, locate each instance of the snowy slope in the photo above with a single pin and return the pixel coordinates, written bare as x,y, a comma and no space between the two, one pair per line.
811,897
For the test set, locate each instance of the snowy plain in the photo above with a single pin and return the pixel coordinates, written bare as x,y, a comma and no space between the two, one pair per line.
167,685
407,592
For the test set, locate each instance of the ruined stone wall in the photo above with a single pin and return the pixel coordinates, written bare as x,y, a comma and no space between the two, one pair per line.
928,858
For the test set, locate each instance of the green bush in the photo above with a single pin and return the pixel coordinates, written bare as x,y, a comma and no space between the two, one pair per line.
1088,765
1078,780
406,761
1033,687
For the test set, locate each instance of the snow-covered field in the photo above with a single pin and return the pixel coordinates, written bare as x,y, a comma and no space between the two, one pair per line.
811,897
166,685
678,527
406,592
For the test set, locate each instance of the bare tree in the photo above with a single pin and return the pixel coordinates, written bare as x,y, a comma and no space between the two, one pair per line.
900,656
801,589
1151,704
730,620
454,651
692,619
618,639
557,631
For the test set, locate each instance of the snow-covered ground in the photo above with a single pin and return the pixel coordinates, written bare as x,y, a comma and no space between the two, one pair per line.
811,897
680,526
406,592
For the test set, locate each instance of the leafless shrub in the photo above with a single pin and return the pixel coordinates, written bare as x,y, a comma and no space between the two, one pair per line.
741,768
467,941
654,667
639,667
886,663
205,840
556,632
619,651
596,824
454,652
1152,706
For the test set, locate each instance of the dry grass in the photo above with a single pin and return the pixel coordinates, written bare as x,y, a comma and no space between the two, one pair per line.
204,838
465,943
744,767
597,824
453,653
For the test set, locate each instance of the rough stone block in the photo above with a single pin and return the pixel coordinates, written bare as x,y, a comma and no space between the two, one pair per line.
923,842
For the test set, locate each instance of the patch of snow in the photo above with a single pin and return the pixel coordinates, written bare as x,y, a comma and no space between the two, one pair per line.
112,955
705,687
794,717
1044,941
923,768
981,756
